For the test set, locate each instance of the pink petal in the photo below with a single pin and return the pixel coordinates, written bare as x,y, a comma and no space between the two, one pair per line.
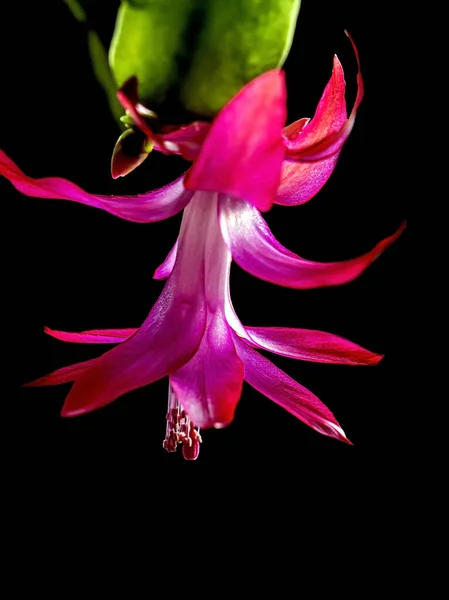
302,181
145,208
291,132
93,336
255,249
330,144
210,384
185,140
243,153
270,381
164,270
330,114
311,345
170,335
64,375
167,340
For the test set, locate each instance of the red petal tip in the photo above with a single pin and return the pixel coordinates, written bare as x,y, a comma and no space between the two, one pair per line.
67,413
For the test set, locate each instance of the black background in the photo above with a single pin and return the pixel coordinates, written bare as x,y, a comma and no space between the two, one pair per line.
74,268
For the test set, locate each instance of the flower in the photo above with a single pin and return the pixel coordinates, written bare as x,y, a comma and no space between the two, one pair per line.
193,335
244,161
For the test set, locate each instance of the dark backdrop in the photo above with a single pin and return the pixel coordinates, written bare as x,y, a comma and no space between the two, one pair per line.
73,268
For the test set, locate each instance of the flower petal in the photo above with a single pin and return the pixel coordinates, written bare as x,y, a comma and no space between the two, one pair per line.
144,208
302,181
291,132
64,375
164,270
167,340
326,132
185,140
330,114
171,333
255,249
270,381
209,386
311,345
92,336
243,152
331,144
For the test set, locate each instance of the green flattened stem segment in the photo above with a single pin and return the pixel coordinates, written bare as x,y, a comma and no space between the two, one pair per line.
240,40
206,50
147,42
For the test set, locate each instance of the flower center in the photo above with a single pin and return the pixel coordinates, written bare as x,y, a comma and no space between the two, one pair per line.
180,429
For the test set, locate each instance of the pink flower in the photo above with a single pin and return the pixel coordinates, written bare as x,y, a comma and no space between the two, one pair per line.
244,162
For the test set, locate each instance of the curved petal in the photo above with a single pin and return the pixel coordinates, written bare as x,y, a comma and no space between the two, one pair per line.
167,340
243,152
320,140
92,336
302,181
255,249
330,115
164,270
270,381
185,140
209,386
332,143
290,132
171,333
63,375
311,345
144,208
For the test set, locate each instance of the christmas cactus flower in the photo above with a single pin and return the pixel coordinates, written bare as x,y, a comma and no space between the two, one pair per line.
242,163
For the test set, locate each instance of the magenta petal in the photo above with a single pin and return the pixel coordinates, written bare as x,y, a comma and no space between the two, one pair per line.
186,141
330,144
314,346
93,336
255,249
168,338
164,270
243,152
270,381
302,181
155,350
144,208
64,375
291,132
330,114
210,384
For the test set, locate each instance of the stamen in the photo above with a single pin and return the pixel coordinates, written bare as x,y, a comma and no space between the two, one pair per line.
180,429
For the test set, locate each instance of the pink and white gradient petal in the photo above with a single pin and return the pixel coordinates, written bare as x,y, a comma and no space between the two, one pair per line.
209,386
270,381
256,250
311,345
156,205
